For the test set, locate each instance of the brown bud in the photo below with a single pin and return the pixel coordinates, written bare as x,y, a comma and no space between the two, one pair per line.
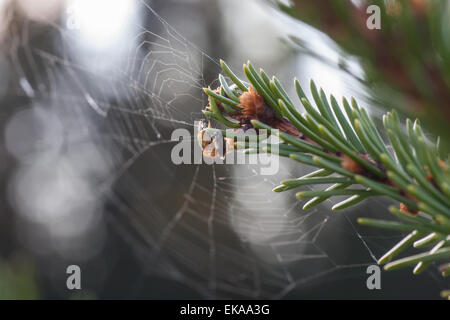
351,165
404,208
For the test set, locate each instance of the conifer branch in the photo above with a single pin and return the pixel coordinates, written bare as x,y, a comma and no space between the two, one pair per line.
348,151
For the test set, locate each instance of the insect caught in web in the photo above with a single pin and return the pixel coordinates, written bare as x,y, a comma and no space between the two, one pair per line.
213,144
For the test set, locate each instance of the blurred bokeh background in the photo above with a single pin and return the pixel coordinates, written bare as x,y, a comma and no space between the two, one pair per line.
90,92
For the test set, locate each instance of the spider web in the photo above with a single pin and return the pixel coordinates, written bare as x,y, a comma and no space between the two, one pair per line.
218,229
